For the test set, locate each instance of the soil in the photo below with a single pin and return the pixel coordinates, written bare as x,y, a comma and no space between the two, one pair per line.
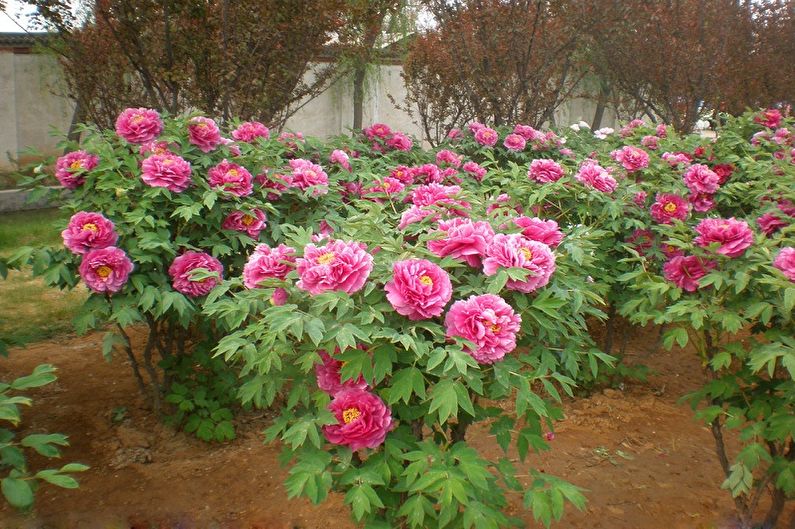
643,459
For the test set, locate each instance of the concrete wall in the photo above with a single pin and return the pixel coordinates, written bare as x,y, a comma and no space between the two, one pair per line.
31,105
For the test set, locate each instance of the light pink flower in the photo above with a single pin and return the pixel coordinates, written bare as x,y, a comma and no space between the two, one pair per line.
419,289
514,142
662,130
785,261
250,131
105,269
770,223
231,178
246,222
733,235
166,170
640,198
700,179
327,374
486,136
667,207
527,132
204,133
591,174
88,231
475,170
427,174
400,142
279,297
268,263
182,267
650,142
475,126
516,251
454,134
449,157
488,322
545,171
339,265
71,169
156,147
387,186
139,125
307,174
676,158
701,202
464,240
631,158
363,420
685,272
340,157
535,229
416,214
770,118
433,194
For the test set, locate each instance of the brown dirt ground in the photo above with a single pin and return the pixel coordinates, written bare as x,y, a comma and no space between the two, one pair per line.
645,462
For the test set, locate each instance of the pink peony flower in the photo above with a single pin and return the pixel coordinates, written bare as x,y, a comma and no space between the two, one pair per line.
307,174
449,157
204,133
419,289
770,118
166,170
770,223
400,142
231,178
667,207
328,377
156,147
507,251
245,222
593,175
340,157
279,297
427,174
685,272
627,129
676,158
416,214
250,131
514,142
71,169
631,158
266,262
386,186
662,130
650,142
475,170
640,198
402,173
545,171
464,240
724,172
88,231
454,134
535,229
785,261
433,194
486,136
339,265
182,267
700,179
377,130
733,235
701,202
475,126
787,207
641,240
139,125
488,322
527,132
363,420
105,269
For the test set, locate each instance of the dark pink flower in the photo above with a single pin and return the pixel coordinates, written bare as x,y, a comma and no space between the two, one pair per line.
475,170
204,133
251,224
527,132
419,289
631,158
667,207
327,374
88,231
105,269
307,174
363,420
514,142
700,179
250,131
387,186
640,198
231,178
399,142
597,177
377,130
770,118
279,297
339,265
676,158
662,130
488,322
464,240
732,235
166,170
268,263
486,136
785,261
427,174
416,214
449,157
156,147
433,194
535,229
685,272
71,169
475,126
701,202
516,251
641,240
650,142
724,172
402,173
545,171
770,223
139,125
181,270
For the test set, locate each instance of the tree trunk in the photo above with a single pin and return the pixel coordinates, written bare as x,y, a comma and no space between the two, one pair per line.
358,96
601,104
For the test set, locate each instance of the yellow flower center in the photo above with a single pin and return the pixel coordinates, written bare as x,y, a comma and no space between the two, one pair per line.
310,173
104,271
326,258
426,280
350,414
138,118
495,328
669,207
232,172
247,220
201,125
527,253
168,161
77,164
90,226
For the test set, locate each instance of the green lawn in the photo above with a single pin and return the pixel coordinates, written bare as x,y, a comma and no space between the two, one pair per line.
29,310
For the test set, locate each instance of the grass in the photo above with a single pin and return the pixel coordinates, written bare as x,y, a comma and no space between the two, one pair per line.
29,310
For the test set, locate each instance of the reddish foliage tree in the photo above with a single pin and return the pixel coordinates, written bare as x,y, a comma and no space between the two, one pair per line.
499,61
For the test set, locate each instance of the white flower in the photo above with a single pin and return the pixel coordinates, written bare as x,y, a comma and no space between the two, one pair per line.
603,133
702,124
575,127
584,125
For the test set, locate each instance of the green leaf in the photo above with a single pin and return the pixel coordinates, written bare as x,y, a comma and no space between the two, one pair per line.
59,480
41,376
444,399
17,492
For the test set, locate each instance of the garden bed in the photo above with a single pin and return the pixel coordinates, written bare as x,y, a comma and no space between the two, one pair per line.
643,459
